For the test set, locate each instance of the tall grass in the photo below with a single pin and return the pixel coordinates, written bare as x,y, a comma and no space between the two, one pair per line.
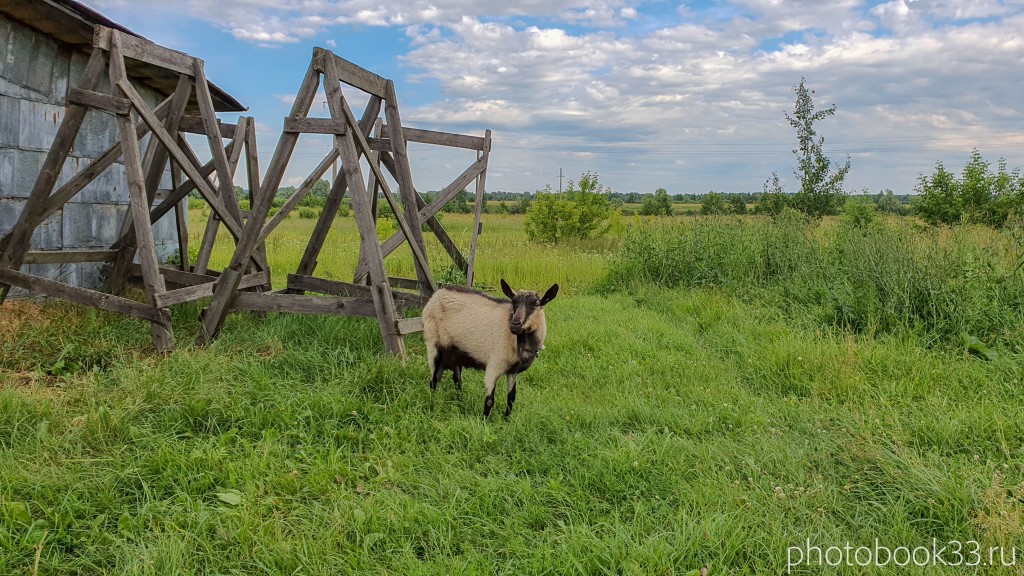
503,252
889,277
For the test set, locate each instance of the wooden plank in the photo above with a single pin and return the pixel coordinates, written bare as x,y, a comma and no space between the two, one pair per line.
55,289
67,256
411,233
178,277
300,304
152,281
407,283
351,74
307,265
315,125
300,282
99,101
206,244
180,220
205,290
409,325
225,170
408,192
383,301
195,125
438,138
143,50
252,170
478,209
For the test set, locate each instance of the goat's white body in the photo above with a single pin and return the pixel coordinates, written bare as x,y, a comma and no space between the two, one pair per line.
478,326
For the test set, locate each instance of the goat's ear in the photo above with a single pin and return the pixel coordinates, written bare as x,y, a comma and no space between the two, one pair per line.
507,289
549,295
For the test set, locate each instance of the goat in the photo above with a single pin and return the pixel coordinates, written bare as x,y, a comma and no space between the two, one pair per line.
465,328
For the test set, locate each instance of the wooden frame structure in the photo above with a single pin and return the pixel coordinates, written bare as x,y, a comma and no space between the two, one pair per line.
383,145
167,123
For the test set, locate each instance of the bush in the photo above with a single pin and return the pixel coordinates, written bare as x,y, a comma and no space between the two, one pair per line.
713,204
979,196
858,214
583,212
308,213
657,205
773,201
737,205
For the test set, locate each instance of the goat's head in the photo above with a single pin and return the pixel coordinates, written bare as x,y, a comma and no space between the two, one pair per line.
527,308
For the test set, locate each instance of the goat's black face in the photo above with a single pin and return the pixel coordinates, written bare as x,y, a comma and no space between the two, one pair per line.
525,303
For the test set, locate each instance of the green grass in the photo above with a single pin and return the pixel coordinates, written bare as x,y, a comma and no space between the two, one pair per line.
661,430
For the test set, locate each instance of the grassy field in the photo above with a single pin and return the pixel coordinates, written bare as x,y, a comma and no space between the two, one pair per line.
668,426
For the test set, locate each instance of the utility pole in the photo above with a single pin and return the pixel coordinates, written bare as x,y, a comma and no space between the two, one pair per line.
559,180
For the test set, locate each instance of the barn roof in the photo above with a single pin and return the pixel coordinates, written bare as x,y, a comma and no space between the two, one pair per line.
71,23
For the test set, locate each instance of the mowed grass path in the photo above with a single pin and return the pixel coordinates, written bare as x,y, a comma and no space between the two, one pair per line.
659,431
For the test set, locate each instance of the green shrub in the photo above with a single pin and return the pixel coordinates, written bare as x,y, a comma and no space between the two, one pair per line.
308,213
713,204
979,196
657,205
583,212
858,214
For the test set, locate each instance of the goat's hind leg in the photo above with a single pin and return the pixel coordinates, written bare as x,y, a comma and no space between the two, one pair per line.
457,378
436,369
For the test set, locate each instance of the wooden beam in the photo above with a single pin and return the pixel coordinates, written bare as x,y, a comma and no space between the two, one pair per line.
300,282
68,256
138,206
195,125
407,283
144,51
351,74
307,265
296,303
205,290
414,233
227,285
314,125
439,138
478,209
409,325
55,289
99,101
153,166
383,301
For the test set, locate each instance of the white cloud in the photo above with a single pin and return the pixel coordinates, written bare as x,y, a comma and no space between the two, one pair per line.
640,91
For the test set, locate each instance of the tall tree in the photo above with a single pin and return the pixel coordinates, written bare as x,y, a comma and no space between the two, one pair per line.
821,187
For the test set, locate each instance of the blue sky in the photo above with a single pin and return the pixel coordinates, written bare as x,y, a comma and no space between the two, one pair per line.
686,96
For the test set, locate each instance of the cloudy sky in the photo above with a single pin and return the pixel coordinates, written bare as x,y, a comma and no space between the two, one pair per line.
688,96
